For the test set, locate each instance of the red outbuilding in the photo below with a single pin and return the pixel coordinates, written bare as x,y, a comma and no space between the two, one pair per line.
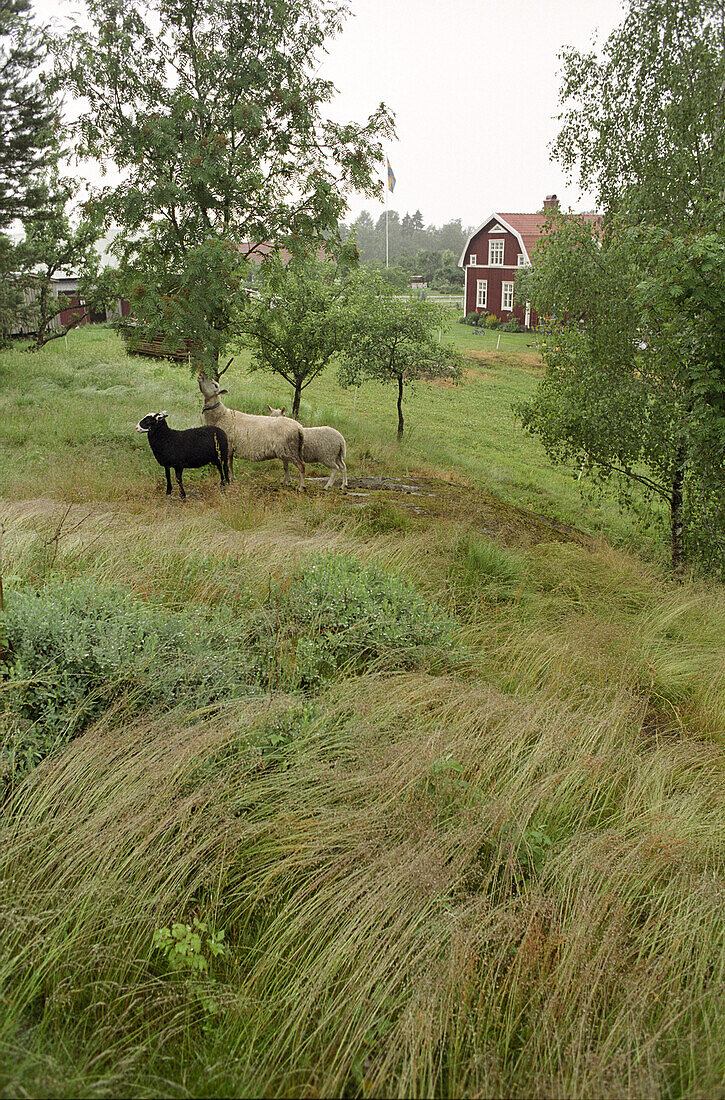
493,254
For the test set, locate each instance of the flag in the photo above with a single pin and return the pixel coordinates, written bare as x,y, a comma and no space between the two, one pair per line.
391,177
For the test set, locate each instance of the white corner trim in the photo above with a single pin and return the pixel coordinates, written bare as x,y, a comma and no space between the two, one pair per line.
499,221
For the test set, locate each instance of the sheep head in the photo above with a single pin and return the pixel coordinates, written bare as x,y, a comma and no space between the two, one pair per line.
209,387
150,421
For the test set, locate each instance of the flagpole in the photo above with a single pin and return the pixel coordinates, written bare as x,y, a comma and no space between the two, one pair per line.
386,222
389,185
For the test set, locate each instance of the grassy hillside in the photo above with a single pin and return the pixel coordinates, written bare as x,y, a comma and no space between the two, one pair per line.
446,774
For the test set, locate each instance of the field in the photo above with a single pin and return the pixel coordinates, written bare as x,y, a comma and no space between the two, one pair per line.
385,793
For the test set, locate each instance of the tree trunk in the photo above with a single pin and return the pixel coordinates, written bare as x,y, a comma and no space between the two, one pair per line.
296,402
400,407
676,522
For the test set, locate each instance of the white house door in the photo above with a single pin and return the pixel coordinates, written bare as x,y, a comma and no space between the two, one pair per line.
527,318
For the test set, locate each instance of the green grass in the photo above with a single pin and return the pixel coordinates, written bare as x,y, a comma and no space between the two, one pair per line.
90,395
457,807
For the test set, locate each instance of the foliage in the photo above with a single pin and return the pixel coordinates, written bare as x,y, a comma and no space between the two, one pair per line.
337,616
634,382
389,339
294,322
55,243
212,114
77,649
643,122
413,248
27,142
189,947
28,115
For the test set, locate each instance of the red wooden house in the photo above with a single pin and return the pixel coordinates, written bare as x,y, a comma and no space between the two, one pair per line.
494,252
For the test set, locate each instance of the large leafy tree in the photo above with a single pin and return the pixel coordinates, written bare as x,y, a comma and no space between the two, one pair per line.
394,339
634,383
295,319
636,361
27,143
213,115
643,120
27,114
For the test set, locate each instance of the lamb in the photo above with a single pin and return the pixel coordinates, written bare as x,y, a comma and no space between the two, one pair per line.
191,448
324,445
253,437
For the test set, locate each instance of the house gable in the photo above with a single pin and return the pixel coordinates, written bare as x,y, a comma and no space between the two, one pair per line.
495,223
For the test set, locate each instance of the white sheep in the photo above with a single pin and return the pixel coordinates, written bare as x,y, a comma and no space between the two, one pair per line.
324,445
253,437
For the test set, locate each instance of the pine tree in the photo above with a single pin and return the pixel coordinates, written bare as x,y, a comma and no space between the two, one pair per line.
27,114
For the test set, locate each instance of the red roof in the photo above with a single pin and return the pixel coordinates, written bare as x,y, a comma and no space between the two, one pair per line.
531,226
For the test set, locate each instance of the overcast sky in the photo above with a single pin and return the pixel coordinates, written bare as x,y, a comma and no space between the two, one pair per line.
474,87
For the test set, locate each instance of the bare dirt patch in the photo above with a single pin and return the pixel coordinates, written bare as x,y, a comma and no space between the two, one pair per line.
435,498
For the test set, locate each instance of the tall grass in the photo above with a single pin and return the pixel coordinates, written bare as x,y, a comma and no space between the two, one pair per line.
492,872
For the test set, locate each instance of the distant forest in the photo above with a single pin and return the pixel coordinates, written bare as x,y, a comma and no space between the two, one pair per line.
413,249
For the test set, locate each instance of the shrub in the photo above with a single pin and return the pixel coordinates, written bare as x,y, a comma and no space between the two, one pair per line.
512,325
76,650
492,321
338,615
470,318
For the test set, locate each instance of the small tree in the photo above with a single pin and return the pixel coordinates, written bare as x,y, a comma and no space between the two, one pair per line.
294,321
53,244
394,339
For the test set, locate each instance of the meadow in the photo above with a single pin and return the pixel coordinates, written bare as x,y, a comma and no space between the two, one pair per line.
360,794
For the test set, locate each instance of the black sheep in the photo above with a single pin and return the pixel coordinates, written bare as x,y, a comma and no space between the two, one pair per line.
192,447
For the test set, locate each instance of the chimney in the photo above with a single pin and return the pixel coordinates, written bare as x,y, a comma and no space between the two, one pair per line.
551,203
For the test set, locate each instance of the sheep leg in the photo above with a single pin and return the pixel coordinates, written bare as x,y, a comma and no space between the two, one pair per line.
343,470
301,467
222,473
168,480
331,479
287,480
178,470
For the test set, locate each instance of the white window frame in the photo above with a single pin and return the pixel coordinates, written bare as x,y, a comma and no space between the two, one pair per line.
521,261
497,248
507,294
481,293
472,260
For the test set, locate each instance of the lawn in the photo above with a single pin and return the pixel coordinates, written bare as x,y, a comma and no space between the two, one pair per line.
89,395
354,795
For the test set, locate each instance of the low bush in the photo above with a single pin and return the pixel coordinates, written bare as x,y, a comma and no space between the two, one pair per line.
337,615
75,650
492,321
512,325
